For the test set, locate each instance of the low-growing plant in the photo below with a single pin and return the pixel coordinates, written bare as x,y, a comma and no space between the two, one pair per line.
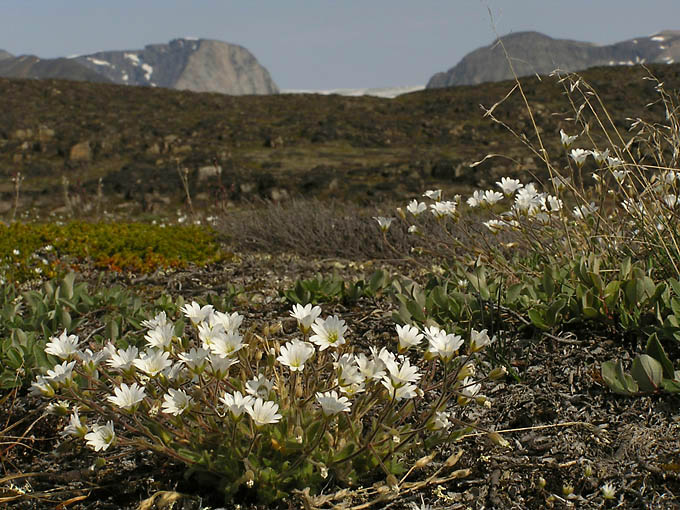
28,250
28,318
595,245
325,289
651,372
253,412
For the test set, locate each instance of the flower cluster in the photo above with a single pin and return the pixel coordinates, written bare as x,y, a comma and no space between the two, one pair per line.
189,389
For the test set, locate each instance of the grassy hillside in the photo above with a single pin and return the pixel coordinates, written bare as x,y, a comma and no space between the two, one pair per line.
361,148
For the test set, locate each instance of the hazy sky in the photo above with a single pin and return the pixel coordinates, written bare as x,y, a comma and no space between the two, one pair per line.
324,44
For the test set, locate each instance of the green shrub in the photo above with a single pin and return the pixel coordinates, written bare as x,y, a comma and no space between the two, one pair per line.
30,249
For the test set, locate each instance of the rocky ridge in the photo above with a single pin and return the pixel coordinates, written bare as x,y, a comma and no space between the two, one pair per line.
198,65
536,53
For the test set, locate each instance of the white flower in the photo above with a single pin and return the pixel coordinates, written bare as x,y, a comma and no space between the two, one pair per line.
583,211
305,315
75,426
42,386
445,345
123,359
402,392
348,371
294,355
478,340
383,222
579,156
442,209
566,139
508,185
127,397
671,200
101,437
495,226
259,386
551,203
161,336
492,197
208,332
527,200
600,156
370,368
614,162
63,346
332,404
219,366
476,199
433,194
620,175
236,404
153,361
468,388
400,375
58,408
160,319
415,207
61,373
413,229
197,313
608,491
195,359
227,344
440,421
175,402
669,176
230,322
329,332
263,412
91,360
409,336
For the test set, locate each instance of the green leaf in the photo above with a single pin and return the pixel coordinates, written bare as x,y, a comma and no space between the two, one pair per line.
537,318
548,283
513,292
647,372
617,380
67,285
625,268
15,358
675,306
655,350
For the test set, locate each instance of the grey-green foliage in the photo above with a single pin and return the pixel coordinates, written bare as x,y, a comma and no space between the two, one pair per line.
325,289
28,319
652,372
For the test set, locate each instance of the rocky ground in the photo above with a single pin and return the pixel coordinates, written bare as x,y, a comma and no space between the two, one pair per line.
568,434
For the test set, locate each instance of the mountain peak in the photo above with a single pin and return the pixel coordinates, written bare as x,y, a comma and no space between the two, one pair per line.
537,53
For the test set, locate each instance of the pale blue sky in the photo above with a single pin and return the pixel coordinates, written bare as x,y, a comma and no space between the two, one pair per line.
324,44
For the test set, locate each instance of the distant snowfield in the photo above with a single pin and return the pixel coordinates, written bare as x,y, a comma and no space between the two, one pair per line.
386,92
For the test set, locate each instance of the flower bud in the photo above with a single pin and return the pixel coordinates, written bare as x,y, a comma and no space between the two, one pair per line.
498,373
453,458
540,483
249,478
424,461
467,371
392,482
498,439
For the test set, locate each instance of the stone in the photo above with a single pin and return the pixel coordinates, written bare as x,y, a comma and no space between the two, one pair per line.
81,152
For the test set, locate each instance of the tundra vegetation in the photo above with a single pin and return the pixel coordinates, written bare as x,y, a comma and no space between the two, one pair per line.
364,386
